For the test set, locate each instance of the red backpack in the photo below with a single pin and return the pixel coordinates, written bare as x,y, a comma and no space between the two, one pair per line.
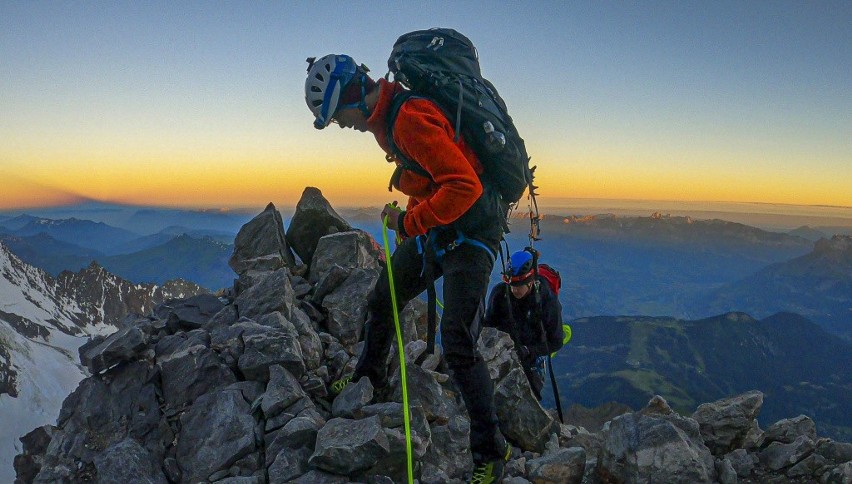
551,275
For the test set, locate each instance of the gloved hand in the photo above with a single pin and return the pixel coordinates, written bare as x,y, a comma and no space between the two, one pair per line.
395,216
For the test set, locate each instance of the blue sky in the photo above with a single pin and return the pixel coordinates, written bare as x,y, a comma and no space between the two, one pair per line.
191,103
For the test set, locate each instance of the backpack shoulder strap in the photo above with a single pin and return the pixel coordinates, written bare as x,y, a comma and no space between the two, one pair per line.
405,162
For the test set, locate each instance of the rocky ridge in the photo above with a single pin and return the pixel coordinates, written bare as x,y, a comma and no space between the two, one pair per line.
234,390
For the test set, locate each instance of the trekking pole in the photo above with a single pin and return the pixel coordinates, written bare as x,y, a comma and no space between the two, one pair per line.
407,417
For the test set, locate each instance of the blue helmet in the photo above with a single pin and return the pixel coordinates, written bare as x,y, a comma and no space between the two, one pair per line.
521,267
327,78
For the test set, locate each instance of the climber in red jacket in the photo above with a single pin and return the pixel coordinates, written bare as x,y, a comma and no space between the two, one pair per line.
451,216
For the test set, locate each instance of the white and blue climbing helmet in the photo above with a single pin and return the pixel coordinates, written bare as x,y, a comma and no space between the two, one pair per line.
327,79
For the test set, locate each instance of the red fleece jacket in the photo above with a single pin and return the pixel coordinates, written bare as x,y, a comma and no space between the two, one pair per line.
425,135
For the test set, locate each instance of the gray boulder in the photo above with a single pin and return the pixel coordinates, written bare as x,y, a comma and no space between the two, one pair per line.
788,430
354,249
346,446
217,431
28,463
261,244
352,399
726,423
272,347
449,455
299,327
128,461
742,462
270,292
124,345
188,314
189,368
522,419
313,219
103,411
289,464
778,456
563,466
425,391
652,447
347,306
282,391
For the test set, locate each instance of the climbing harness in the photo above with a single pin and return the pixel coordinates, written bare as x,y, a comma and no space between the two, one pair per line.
431,251
408,450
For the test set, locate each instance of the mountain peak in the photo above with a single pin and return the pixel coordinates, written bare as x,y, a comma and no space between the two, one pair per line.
837,243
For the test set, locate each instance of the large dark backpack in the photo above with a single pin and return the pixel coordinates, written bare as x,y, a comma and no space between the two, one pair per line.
443,66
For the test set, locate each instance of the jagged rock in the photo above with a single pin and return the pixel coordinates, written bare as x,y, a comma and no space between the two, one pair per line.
309,339
217,431
127,461
725,472
641,447
261,244
449,455
788,430
124,345
226,317
289,464
313,219
320,477
778,455
347,306
394,467
842,474
188,314
288,414
272,292
809,467
35,443
301,327
189,368
726,423
352,399
561,467
741,461
282,391
522,420
102,411
299,432
571,436
355,249
425,391
414,318
331,280
346,446
272,347
835,452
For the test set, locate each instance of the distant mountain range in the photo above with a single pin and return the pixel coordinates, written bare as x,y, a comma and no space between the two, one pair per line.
201,260
653,265
176,252
817,285
801,368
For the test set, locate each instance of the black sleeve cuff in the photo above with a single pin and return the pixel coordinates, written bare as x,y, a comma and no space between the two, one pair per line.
400,224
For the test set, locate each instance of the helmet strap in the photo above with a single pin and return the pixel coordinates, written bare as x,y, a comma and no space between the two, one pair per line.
363,104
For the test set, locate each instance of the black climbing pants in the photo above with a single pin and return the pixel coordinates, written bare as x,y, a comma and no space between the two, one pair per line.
466,271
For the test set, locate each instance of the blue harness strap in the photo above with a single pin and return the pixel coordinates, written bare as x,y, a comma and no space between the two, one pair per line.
427,247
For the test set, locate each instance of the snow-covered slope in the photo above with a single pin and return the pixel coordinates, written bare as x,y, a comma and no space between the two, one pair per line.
43,321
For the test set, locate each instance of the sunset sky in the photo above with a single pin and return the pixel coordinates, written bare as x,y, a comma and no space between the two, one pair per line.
201,104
